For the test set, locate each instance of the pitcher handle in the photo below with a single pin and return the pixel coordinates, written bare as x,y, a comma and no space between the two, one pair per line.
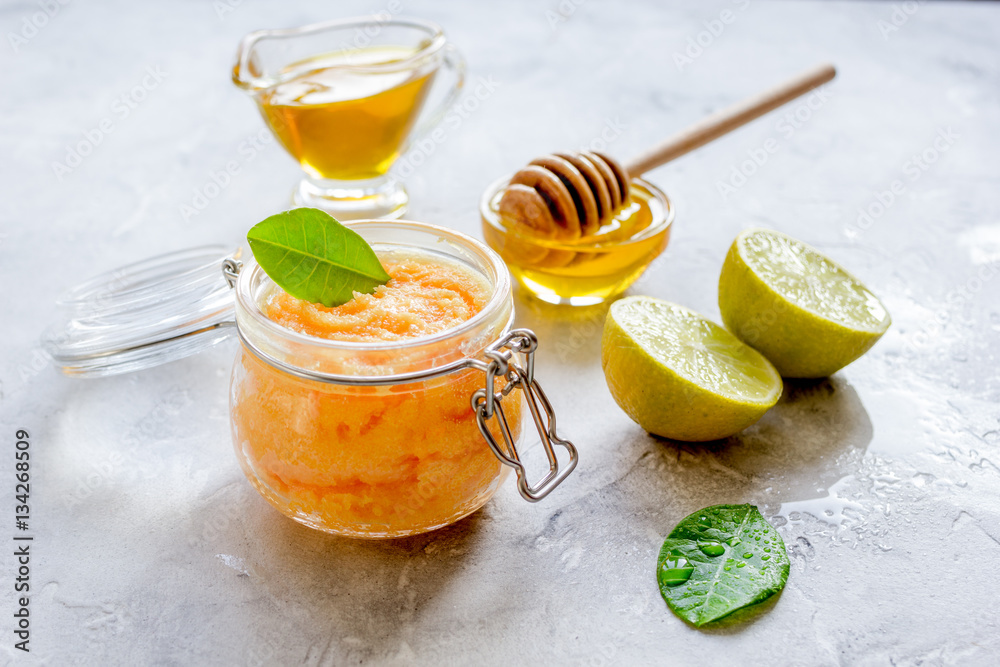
453,59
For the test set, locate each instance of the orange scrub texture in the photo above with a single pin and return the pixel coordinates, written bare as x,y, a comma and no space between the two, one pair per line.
381,461
421,299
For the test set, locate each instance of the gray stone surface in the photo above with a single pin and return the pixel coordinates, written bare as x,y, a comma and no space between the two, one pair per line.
151,548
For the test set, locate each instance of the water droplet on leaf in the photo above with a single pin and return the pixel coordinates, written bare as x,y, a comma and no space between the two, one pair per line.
711,548
675,570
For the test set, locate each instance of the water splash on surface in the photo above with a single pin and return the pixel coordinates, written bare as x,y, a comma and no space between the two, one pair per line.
982,242
829,509
235,562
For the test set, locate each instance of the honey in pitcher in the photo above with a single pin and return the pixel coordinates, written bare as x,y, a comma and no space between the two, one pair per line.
342,122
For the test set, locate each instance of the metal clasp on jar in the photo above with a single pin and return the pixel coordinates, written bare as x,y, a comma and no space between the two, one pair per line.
231,267
488,403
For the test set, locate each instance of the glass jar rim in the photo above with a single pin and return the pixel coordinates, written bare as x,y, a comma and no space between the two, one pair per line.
500,283
659,224
435,43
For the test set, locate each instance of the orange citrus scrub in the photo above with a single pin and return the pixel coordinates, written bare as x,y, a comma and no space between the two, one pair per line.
372,461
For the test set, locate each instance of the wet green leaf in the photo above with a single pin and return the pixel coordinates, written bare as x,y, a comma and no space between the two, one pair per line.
738,560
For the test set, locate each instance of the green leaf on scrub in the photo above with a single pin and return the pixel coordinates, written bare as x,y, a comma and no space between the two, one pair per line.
310,255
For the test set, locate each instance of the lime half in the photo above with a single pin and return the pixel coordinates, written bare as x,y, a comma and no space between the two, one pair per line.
681,376
806,314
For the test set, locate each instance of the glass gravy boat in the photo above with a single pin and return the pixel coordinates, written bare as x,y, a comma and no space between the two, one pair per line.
343,98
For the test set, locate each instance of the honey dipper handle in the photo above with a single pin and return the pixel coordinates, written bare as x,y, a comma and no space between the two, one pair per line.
730,118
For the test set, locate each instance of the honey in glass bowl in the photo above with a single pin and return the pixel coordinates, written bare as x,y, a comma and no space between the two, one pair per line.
590,270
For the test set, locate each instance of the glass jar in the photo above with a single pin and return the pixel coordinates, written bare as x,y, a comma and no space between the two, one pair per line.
369,440
369,460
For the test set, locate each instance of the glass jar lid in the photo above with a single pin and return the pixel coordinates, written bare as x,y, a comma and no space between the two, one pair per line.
145,314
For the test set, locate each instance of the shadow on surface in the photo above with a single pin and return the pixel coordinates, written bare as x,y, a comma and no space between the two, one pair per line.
741,619
357,598
810,440
815,436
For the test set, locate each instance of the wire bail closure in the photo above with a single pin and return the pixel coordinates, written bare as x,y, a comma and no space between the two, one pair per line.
486,403
231,268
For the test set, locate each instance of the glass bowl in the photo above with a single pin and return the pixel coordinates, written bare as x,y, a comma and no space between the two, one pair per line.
589,271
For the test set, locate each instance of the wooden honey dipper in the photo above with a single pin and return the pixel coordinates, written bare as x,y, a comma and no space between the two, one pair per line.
569,196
